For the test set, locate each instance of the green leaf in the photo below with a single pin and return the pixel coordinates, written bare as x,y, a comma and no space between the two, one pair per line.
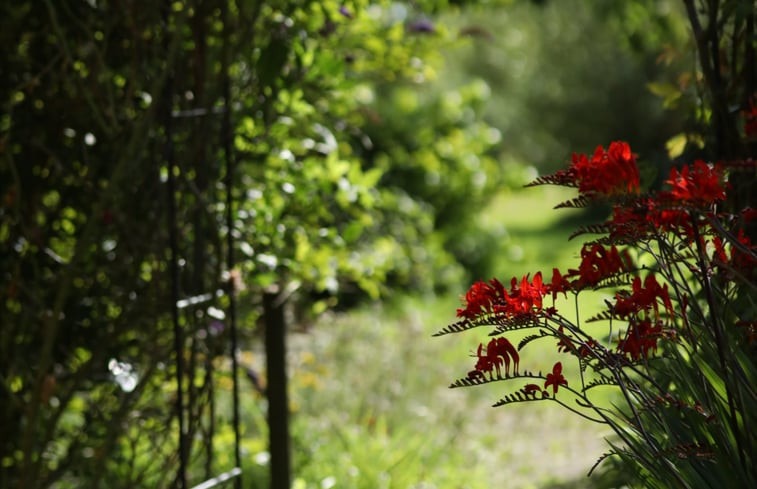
272,60
352,232
676,145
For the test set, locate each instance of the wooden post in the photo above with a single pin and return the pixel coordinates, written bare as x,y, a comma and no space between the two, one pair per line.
276,390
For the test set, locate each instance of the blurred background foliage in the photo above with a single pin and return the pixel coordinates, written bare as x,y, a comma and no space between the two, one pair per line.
570,75
367,140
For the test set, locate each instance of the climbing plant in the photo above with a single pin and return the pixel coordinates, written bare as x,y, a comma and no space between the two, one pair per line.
142,145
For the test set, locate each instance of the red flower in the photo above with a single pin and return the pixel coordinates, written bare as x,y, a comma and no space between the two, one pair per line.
630,221
641,337
527,299
483,298
746,262
599,263
675,220
559,284
555,379
531,389
718,254
608,172
499,350
749,214
637,220
643,298
523,301
699,184
485,364
750,121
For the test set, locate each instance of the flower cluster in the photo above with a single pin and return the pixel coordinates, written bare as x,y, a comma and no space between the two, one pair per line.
597,264
524,300
691,308
643,297
699,184
499,351
606,173
641,338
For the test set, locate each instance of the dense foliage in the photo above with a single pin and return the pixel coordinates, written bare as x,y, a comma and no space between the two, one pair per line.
165,165
566,74
159,160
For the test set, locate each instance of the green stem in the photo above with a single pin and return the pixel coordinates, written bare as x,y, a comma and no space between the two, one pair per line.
719,342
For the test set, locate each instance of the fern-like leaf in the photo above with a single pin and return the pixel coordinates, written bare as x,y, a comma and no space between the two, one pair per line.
528,339
600,381
618,240
619,279
580,202
602,458
561,178
455,327
515,324
473,381
482,379
603,228
499,320
520,396
602,316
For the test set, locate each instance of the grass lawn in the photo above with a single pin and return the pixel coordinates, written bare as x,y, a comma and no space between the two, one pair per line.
369,388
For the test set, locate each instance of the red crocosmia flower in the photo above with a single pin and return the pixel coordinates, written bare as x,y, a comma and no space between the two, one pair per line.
665,213
630,221
699,183
641,337
531,294
610,172
718,254
483,298
643,298
678,220
477,298
749,214
750,121
555,379
638,220
499,350
558,285
599,263
531,389
485,364
523,301
740,260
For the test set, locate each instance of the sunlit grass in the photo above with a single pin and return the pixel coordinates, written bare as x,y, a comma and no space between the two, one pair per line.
370,387
380,409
